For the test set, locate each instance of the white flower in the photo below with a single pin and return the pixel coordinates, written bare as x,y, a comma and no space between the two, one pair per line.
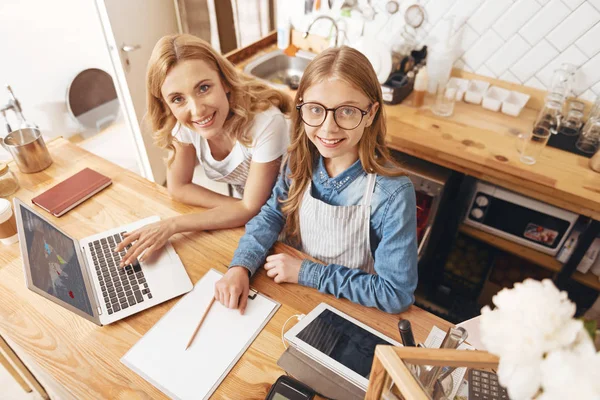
569,375
521,379
529,322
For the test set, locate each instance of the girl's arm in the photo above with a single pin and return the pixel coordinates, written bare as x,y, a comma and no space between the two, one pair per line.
263,230
392,289
179,180
261,233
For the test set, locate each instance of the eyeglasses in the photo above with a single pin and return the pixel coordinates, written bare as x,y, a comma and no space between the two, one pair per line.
346,117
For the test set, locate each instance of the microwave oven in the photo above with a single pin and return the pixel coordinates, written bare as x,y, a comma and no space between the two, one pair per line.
519,218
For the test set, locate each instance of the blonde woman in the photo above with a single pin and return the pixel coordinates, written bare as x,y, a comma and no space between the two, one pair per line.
204,111
340,200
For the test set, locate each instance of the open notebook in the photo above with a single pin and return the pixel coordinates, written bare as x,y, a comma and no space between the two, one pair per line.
160,356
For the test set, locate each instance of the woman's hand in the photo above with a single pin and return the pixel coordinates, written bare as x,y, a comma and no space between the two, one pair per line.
232,289
150,238
283,268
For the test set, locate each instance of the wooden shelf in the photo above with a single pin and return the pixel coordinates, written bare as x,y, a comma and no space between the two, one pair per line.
536,257
588,279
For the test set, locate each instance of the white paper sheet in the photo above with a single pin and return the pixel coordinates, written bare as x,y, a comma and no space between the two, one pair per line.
160,356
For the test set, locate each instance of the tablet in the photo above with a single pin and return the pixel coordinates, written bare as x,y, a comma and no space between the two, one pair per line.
339,342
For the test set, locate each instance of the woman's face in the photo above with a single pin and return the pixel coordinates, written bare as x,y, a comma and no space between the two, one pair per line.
197,98
332,141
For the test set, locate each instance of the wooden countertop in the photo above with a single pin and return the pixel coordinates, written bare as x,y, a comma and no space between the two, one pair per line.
476,141
483,144
83,357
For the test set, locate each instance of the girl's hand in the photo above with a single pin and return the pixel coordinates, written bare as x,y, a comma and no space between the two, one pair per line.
232,289
283,268
149,238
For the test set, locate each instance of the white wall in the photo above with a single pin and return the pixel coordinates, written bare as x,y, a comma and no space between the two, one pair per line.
44,45
521,41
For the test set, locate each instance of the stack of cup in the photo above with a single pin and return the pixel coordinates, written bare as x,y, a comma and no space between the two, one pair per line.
8,224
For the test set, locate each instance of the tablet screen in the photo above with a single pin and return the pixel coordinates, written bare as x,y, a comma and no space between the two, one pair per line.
343,341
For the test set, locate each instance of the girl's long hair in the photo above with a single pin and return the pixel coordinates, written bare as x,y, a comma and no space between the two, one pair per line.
352,67
248,96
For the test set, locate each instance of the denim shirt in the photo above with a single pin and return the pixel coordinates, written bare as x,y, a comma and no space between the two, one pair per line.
393,238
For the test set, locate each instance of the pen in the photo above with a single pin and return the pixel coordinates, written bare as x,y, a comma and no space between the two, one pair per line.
406,333
201,321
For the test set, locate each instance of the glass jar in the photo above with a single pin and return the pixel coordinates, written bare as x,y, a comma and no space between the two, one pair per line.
549,117
589,139
572,123
8,181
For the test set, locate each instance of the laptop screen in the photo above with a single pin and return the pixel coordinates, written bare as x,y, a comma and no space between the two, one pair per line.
53,263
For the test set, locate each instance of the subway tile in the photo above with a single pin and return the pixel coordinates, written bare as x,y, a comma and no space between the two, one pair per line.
464,39
514,18
542,2
533,60
465,8
535,83
510,77
544,21
437,9
588,95
485,71
574,26
596,88
571,55
588,74
487,14
460,63
595,3
573,4
483,49
589,43
508,54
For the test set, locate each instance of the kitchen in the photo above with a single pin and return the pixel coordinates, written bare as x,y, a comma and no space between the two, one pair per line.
475,165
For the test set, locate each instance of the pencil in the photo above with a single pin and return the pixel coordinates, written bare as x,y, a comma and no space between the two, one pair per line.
201,321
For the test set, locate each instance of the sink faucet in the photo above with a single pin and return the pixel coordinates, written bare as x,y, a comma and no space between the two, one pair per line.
324,17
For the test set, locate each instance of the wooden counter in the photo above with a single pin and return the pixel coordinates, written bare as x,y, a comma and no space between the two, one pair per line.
483,144
477,142
84,358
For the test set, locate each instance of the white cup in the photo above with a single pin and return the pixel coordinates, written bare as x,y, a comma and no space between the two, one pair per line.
8,224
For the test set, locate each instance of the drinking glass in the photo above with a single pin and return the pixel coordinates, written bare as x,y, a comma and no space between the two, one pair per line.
589,138
571,124
534,143
444,100
550,116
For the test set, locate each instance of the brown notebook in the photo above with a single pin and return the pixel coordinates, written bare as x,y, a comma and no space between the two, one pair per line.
71,192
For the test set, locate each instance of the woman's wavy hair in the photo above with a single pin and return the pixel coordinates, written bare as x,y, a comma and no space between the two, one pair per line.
248,96
353,68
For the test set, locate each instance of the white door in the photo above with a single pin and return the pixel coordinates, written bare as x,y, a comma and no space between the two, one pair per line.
132,28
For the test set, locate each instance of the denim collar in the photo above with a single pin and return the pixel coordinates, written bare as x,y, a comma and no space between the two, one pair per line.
340,182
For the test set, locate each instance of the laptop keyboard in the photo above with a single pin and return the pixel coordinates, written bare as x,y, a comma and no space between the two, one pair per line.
122,287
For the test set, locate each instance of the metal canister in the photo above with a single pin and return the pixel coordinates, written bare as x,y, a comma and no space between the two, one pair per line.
28,149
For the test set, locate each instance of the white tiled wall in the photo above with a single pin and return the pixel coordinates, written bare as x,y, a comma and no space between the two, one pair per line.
524,41
521,41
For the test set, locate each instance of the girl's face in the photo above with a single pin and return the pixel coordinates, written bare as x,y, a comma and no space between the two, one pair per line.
332,141
197,97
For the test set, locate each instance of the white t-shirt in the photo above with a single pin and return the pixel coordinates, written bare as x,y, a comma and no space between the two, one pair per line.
270,139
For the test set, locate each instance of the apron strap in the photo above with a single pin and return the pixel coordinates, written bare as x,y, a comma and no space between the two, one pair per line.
371,179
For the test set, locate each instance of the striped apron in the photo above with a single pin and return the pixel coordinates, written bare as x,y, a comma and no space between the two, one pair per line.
338,234
236,178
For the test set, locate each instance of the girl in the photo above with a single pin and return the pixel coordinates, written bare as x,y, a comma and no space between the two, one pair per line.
203,111
341,199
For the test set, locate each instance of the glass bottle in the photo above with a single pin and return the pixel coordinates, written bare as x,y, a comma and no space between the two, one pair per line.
8,181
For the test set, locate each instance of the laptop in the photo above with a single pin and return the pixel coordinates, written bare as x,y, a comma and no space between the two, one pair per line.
84,275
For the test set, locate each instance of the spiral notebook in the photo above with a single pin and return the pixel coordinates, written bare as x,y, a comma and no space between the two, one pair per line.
160,356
